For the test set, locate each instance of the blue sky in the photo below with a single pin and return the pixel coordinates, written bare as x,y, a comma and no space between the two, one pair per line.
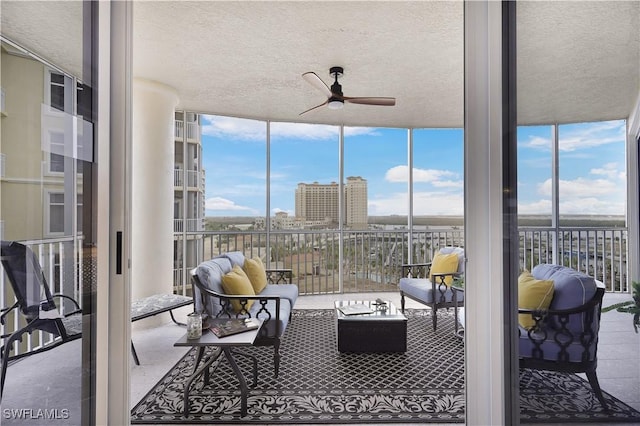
591,167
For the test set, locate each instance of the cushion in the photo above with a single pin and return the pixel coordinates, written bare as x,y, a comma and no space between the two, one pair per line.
235,257
457,250
571,290
444,264
237,282
254,268
533,294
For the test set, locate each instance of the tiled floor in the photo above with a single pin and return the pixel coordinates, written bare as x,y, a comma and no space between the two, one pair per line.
618,364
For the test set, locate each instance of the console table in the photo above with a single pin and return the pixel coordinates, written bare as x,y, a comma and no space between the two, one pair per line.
221,345
154,305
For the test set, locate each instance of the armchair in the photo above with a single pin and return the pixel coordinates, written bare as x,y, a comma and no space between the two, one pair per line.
35,304
430,283
563,337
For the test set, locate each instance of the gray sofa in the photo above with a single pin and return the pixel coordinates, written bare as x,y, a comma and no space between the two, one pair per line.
565,336
274,304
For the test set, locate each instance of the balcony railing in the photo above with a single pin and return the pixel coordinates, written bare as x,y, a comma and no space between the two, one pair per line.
192,225
195,179
372,260
193,132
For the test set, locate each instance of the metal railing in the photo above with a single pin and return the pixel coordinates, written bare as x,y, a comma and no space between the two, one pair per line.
195,179
192,225
193,130
63,264
372,260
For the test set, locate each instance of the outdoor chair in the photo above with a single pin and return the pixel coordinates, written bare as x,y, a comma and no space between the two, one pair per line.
35,306
560,332
430,283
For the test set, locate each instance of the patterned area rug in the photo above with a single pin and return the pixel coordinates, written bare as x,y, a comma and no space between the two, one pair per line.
318,385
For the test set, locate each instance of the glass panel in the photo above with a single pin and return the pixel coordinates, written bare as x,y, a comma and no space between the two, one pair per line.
47,153
376,206
234,159
304,199
535,163
593,191
438,184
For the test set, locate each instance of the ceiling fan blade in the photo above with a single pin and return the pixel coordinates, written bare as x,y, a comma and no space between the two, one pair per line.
317,106
370,100
313,79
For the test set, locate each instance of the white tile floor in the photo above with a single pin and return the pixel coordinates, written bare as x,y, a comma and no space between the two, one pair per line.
618,360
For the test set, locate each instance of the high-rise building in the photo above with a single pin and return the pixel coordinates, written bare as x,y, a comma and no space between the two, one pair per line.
355,195
317,202
189,186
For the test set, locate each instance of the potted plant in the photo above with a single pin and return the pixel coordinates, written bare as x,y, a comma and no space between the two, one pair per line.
630,306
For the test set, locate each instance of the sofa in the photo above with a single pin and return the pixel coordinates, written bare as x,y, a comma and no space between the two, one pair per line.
430,283
220,291
559,319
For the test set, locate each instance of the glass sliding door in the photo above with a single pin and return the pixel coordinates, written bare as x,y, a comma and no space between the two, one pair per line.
46,199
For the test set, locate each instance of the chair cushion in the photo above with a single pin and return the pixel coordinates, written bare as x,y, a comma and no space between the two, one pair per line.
254,268
236,282
444,264
421,289
457,250
532,294
571,290
571,349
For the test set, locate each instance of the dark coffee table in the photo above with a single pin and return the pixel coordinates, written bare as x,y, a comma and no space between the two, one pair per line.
384,329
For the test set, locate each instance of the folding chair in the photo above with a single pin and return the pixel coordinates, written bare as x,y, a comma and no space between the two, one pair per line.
35,305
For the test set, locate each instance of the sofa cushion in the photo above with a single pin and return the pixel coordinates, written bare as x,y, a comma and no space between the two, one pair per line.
210,274
286,291
532,294
444,264
571,289
235,257
254,268
236,282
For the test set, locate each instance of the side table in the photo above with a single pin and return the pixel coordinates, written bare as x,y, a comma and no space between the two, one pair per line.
227,346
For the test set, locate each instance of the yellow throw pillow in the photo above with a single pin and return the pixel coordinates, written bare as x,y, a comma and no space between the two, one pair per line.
444,264
532,294
237,282
254,268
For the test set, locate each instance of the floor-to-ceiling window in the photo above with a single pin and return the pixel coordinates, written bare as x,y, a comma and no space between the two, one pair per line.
46,189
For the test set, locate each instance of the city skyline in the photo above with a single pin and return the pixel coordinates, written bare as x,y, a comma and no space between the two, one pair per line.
591,167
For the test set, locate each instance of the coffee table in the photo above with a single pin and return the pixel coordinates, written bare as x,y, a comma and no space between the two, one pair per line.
384,329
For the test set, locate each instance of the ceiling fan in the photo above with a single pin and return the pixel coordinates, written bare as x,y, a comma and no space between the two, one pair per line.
335,98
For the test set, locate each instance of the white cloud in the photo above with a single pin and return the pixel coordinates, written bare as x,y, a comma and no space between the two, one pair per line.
610,171
279,210
245,129
424,204
219,203
580,188
582,137
535,207
433,176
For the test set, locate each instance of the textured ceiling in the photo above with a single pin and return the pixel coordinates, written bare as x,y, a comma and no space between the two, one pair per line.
577,61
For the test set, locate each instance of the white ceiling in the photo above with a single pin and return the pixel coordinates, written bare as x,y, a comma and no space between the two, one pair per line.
577,60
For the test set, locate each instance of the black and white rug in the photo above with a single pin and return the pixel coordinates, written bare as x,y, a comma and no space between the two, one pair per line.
317,384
